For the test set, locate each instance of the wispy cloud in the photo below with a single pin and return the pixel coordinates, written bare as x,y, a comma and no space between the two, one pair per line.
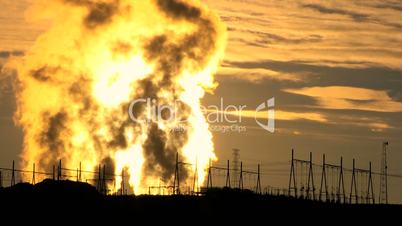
257,75
266,38
323,9
7,54
390,5
284,115
352,98
372,123
320,32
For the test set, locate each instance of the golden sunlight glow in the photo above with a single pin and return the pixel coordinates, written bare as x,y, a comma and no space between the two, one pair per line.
78,80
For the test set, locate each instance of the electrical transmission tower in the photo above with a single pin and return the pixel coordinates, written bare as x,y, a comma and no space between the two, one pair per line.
236,170
383,180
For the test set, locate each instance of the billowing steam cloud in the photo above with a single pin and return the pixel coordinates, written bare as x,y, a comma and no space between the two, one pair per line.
76,84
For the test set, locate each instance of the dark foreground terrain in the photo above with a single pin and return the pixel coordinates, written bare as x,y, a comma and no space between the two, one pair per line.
66,202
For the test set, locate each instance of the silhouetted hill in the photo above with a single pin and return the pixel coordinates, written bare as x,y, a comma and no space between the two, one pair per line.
50,187
73,202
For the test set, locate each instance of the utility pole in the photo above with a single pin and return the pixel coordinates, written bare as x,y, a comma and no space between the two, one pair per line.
59,171
241,176
209,181
228,176
104,188
236,161
195,182
341,184
258,187
176,182
383,199
353,185
122,182
323,180
79,175
53,172
33,174
310,178
98,186
370,187
13,175
292,176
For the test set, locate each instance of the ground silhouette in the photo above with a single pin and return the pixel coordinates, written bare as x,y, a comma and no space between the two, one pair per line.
75,202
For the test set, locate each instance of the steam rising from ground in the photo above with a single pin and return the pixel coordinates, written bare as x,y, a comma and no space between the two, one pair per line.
76,84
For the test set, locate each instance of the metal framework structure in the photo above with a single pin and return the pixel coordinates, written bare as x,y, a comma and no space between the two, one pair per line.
301,180
332,183
383,196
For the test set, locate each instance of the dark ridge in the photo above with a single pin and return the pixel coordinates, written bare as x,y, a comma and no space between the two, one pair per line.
50,188
68,202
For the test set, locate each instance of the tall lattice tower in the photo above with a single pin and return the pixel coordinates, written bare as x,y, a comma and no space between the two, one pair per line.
236,167
383,178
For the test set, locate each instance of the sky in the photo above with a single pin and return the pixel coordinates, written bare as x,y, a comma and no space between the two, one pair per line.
333,67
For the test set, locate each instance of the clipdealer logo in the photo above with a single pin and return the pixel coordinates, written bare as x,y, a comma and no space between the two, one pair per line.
269,105
222,118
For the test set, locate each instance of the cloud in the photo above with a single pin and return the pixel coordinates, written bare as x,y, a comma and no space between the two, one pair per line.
7,54
339,33
256,75
323,9
372,123
341,97
279,115
356,16
283,115
340,92
374,126
390,5
347,73
265,38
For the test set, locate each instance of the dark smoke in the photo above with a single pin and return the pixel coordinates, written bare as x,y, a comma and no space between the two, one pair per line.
44,73
79,92
169,57
118,133
157,154
99,13
109,166
51,137
161,155
178,9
